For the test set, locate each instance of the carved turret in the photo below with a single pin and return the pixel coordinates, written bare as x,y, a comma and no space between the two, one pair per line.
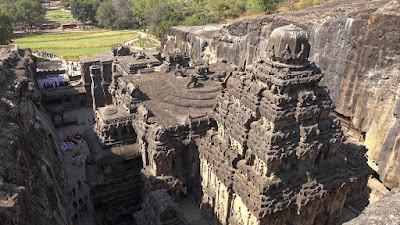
289,44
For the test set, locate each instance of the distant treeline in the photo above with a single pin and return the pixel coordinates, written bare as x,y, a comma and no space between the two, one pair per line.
158,15
13,12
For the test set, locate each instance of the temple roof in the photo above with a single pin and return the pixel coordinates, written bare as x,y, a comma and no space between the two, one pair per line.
289,44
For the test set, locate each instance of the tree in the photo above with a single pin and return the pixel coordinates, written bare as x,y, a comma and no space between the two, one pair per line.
162,16
199,19
262,5
124,17
140,9
30,12
65,3
6,30
106,14
115,15
83,12
10,10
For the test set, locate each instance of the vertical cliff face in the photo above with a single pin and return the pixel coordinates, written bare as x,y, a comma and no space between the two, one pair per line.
357,46
33,186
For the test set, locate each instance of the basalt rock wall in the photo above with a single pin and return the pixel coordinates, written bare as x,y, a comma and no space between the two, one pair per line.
33,187
355,43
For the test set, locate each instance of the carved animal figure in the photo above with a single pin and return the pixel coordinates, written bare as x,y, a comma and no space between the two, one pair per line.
192,80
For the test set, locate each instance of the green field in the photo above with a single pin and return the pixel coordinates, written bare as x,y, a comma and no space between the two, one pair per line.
72,45
59,17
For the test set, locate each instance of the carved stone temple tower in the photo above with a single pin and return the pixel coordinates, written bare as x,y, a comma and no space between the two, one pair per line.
96,88
278,156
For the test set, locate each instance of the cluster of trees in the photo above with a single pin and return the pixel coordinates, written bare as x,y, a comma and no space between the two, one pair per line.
83,12
13,12
115,14
155,15
6,30
159,15
29,12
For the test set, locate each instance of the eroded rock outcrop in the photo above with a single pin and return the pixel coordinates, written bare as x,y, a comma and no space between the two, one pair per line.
388,206
33,186
356,45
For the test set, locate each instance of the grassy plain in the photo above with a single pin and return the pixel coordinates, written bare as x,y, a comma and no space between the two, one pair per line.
71,45
59,17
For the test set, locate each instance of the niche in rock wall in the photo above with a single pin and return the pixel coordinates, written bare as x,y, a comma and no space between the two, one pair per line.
191,167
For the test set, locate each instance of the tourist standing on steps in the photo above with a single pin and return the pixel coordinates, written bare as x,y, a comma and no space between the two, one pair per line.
84,207
63,149
184,191
73,219
73,191
75,205
80,201
80,211
80,159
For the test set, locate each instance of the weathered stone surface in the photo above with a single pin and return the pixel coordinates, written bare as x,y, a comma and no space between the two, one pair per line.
33,187
159,209
277,156
384,211
356,45
159,110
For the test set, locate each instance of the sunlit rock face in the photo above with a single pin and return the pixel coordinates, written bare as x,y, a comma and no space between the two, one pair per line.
354,43
33,188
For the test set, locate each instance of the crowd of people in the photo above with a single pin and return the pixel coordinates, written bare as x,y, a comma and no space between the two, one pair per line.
74,143
72,67
45,54
70,141
42,66
53,81
80,204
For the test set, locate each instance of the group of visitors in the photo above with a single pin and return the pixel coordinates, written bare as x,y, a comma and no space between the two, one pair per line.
77,158
69,142
44,54
74,141
42,66
56,84
80,205
72,67
53,81
20,33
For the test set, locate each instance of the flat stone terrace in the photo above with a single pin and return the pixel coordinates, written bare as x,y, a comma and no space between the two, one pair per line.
169,99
